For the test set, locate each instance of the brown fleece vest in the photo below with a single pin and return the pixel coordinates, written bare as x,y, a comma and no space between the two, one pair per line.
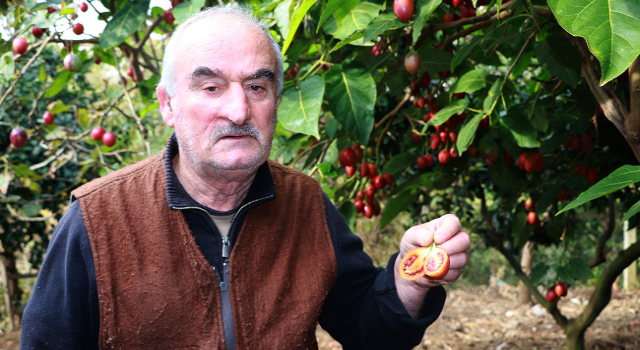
157,291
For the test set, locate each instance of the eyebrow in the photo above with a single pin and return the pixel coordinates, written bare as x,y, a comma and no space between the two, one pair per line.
262,73
201,72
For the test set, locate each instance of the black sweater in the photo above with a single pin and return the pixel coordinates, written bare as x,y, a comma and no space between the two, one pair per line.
362,311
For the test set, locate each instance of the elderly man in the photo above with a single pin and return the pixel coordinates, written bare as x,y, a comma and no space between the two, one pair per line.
209,245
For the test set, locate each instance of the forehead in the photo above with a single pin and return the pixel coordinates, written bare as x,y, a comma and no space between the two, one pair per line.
226,43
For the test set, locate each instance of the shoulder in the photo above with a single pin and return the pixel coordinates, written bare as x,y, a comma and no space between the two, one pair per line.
153,164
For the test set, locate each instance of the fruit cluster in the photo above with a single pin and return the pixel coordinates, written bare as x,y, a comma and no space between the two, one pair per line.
559,290
108,138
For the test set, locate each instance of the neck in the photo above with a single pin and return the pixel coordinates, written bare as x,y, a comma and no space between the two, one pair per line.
220,190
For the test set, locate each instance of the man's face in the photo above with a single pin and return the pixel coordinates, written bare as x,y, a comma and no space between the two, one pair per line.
224,110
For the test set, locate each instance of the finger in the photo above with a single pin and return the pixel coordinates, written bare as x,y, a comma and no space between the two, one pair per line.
459,243
448,279
417,236
447,226
458,261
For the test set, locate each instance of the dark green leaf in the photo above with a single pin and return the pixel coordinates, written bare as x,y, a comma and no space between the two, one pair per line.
575,269
396,205
424,11
560,57
471,81
381,24
631,212
538,273
351,92
468,133
328,11
399,163
620,178
435,61
331,127
492,97
520,127
457,107
464,52
299,108
124,23
611,28
58,83
520,230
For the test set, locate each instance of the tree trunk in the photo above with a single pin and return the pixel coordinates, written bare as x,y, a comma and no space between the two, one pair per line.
15,292
526,263
575,337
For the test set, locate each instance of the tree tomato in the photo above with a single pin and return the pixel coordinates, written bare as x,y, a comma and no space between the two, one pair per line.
359,204
436,265
528,204
532,217
373,172
350,169
346,157
364,169
357,150
561,289
551,295
429,261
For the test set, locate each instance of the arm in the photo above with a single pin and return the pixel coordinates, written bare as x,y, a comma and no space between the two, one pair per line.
363,310
62,312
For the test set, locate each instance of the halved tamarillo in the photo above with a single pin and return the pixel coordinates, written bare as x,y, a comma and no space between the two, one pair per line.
430,261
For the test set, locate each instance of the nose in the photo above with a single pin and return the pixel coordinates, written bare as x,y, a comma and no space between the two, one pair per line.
236,106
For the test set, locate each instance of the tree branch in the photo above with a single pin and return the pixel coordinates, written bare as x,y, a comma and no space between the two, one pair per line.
600,256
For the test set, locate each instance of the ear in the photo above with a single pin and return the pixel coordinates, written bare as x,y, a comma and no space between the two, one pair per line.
165,106
277,103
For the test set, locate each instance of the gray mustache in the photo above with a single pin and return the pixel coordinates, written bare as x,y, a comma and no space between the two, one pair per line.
236,130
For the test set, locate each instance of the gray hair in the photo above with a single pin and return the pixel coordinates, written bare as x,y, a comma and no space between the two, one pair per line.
168,78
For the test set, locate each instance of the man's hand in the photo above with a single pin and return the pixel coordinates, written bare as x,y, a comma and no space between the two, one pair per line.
447,235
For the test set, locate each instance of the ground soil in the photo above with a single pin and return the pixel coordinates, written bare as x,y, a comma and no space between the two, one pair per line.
491,318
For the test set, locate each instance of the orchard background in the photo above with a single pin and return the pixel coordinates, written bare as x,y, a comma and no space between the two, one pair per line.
499,112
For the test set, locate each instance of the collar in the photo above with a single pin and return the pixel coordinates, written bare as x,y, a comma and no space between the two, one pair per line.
261,188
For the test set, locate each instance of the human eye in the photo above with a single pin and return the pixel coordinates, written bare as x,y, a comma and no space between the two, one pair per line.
211,88
256,88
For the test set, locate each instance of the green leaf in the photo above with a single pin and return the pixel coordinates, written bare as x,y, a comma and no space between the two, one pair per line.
327,170
30,209
58,83
7,68
468,133
435,61
351,92
425,9
619,179
398,163
396,205
520,229
348,211
575,269
611,28
492,97
347,41
299,109
560,57
457,107
328,11
296,19
631,212
282,14
59,107
471,81
183,11
331,127
538,273
42,74
520,127
381,24
124,23
464,52
356,20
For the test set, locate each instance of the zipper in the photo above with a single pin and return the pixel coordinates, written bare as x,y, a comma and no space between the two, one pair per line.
223,278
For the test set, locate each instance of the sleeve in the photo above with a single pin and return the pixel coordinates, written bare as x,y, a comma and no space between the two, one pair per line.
62,312
363,310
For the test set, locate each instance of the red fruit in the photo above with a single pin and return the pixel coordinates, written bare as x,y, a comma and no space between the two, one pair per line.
18,137
175,3
368,211
528,204
430,159
538,161
472,12
430,261
584,171
373,172
490,152
508,159
78,28
448,18
574,140
592,176
562,196
421,101
375,207
403,9
576,169
364,169
325,67
97,133
551,295
370,190
428,116
530,164
451,123
51,9
412,63
37,32
72,62
168,17
585,140
20,45
443,136
532,217
388,179
435,141
346,157
415,137
453,136
522,160
452,151
359,205
560,289
484,123
130,72
426,80
84,7
109,139
379,182
472,151
74,16
456,3
350,169
445,74
48,118
98,59
464,11
444,157
357,150
360,194
375,50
